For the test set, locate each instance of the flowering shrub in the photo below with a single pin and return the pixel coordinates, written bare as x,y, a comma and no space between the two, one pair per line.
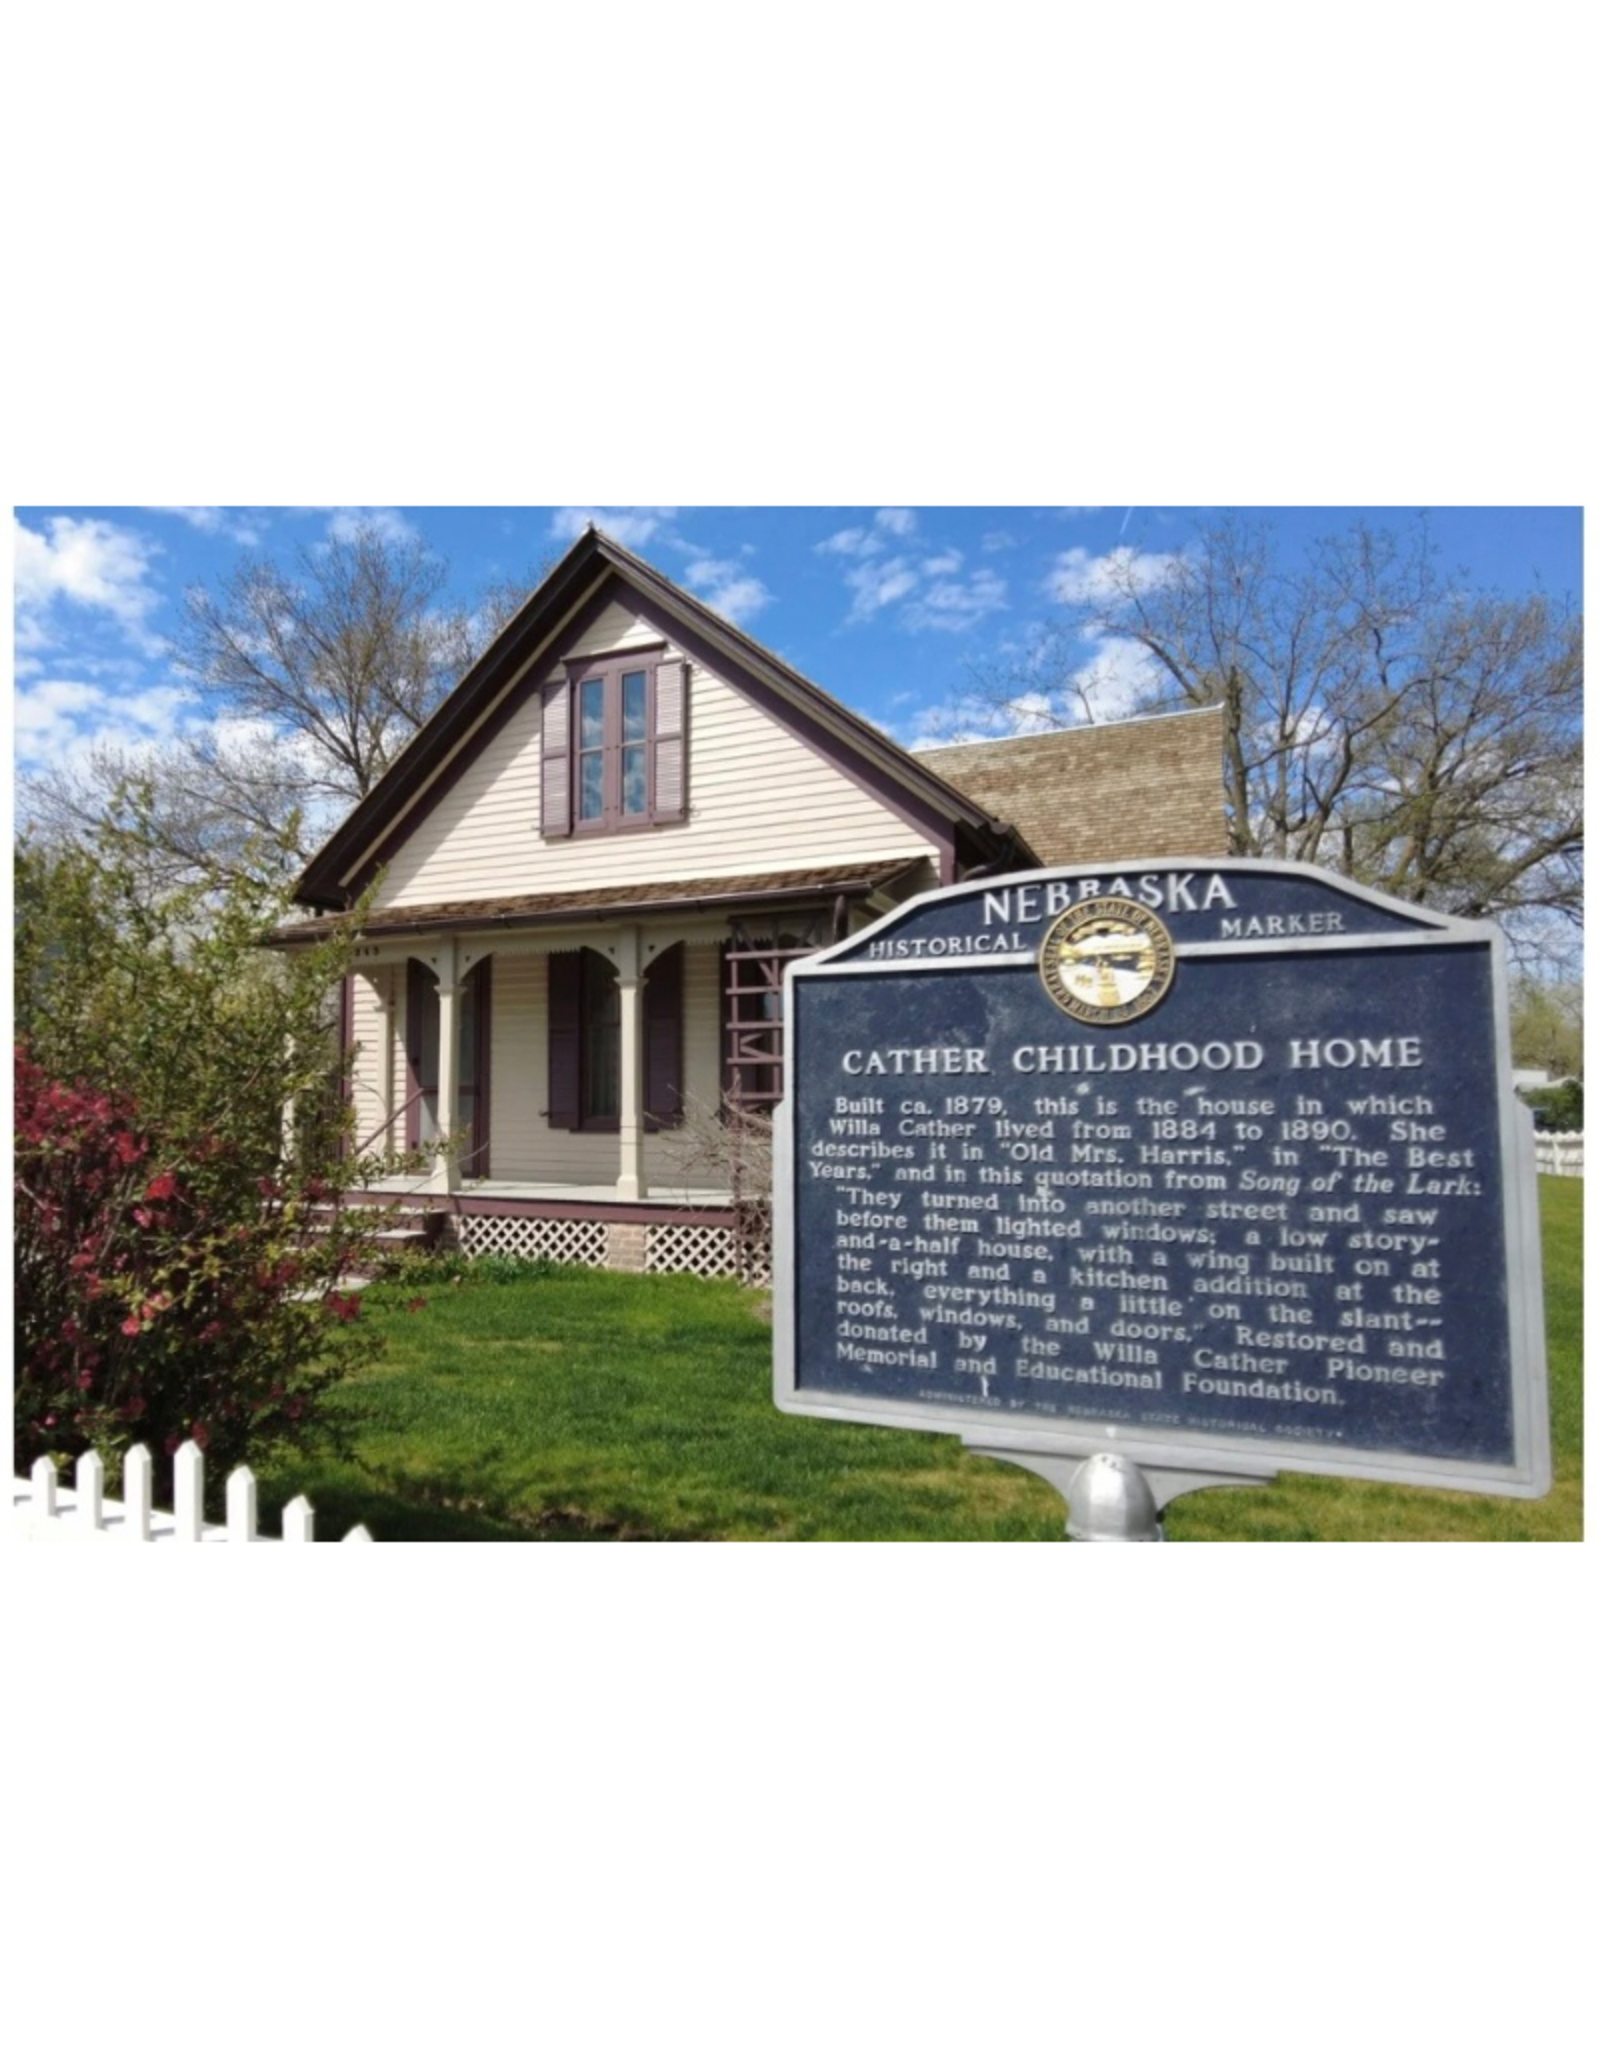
153,1303
182,1150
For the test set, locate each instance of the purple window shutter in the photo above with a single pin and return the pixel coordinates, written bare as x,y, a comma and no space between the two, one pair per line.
555,762
671,741
663,1041
565,994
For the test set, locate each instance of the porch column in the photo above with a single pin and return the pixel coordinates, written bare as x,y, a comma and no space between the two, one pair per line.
630,1115
393,1016
446,1174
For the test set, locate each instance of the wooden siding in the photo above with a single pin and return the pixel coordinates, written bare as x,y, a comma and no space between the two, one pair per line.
369,1020
759,798
522,1144
615,628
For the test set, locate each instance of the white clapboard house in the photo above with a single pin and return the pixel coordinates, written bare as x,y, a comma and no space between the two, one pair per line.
597,857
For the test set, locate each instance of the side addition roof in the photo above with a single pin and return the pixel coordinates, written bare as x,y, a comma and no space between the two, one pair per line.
1140,789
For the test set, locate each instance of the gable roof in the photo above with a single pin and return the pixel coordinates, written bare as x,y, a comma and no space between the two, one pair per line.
1139,789
469,716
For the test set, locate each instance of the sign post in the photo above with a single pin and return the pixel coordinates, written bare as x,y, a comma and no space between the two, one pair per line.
1172,1177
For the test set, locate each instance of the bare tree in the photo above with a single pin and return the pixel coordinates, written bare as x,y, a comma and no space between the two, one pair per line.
1381,720
348,648
311,675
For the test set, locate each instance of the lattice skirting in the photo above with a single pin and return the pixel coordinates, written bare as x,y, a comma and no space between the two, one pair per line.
573,1241
690,1248
708,1250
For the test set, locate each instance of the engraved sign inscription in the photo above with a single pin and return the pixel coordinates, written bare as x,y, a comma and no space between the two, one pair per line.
1224,1156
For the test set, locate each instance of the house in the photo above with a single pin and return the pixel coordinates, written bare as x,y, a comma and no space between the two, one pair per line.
593,864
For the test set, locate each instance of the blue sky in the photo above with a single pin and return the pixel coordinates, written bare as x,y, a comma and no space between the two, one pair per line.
889,607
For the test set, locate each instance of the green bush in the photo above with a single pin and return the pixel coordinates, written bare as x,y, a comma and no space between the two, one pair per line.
1557,1109
182,1256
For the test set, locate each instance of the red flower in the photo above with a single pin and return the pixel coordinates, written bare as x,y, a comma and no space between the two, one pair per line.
132,1327
210,1333
162,1188
345,1306
143,1218
201,1435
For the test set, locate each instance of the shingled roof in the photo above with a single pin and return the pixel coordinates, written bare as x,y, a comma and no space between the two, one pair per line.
1143,788
856,879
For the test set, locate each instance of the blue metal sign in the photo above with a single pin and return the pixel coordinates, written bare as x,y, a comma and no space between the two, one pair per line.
1210,1164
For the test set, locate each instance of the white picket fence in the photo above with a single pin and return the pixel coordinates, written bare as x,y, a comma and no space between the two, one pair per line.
1559,1151
44,1511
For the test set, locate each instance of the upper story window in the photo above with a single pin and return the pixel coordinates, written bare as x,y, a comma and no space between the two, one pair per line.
614,737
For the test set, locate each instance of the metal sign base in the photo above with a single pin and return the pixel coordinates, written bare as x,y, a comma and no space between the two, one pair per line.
1109,1498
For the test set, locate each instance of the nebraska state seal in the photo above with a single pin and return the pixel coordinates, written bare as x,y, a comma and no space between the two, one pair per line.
1107,960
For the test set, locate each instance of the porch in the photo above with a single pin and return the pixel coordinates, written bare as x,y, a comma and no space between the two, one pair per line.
588,1076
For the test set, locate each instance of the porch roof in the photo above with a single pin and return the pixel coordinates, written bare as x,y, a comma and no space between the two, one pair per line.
627,899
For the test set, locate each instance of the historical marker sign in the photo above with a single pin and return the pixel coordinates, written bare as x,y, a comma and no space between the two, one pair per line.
1215,1166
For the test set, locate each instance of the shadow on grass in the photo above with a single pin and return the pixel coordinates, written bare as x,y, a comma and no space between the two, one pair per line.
398,1507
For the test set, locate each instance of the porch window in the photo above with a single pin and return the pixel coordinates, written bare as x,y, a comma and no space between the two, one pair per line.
586,1041
472,1063
613,737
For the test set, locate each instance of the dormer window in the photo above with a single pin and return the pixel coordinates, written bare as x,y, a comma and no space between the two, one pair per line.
614,744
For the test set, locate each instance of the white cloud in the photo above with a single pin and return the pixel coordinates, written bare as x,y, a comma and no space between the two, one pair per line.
62,719
951,607
919,577
89,564
850,540
216,520
727,588
966,719
1081,578
631,525
861,541
349,521
1117,680
877,584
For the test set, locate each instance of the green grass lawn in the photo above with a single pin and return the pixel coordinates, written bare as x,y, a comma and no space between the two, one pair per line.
589,1406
